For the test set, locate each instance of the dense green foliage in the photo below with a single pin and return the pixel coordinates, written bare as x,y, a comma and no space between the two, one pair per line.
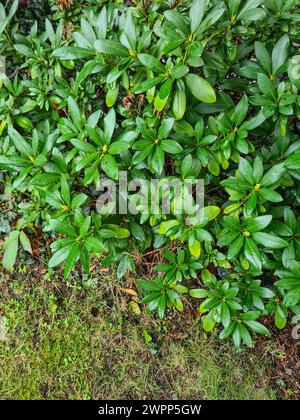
203,89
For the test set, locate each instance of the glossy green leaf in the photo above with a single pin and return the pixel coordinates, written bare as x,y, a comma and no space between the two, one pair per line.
200,88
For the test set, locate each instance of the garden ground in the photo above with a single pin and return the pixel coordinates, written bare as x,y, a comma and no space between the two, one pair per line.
63,340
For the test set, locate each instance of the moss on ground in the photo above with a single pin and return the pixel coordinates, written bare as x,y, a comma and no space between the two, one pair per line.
66,342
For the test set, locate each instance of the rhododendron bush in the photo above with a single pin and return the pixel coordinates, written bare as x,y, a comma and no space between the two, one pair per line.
185,91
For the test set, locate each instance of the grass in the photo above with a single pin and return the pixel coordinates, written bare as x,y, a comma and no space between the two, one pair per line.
65,342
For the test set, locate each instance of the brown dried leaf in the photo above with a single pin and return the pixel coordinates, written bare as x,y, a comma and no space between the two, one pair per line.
129,291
